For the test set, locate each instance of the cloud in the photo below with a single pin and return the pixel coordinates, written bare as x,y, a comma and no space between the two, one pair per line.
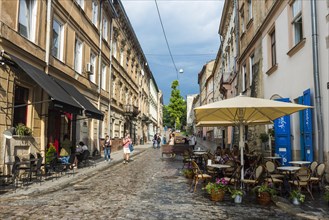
191,28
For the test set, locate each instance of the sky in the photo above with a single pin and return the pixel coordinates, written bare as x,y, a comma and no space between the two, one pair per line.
191,28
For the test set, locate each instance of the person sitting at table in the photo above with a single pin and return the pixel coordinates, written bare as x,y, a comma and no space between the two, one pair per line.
79,150
65,149
218,155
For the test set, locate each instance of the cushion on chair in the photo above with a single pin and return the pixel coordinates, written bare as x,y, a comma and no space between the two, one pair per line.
203,176
273,180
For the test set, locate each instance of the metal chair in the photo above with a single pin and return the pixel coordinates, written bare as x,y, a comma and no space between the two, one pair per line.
257,177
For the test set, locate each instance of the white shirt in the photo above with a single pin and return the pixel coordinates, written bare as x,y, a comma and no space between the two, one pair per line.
192,140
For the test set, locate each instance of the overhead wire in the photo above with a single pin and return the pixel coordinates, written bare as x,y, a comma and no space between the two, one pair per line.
165,36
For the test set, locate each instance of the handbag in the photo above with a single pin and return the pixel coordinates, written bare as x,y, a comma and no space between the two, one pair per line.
131,147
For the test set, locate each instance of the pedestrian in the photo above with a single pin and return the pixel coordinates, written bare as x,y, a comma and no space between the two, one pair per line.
155,140
192,141
126,151
172,139
159,140
107,148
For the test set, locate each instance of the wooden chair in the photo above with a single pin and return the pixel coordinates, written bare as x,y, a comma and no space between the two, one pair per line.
313,166
228,172
258,177
271,170
302,179
318,175
198,175
235,178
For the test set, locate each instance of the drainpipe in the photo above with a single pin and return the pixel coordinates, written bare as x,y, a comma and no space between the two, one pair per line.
100,69
48,28
110,80
316,75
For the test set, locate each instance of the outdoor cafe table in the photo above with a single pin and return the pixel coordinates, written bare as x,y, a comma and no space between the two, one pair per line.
219,166
300,163
272,158
288,176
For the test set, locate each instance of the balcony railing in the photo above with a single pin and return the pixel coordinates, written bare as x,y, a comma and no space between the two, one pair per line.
131,110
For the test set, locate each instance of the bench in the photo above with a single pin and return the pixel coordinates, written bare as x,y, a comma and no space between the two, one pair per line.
177,149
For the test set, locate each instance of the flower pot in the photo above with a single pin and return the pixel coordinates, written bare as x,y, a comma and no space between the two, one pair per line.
238,199
217,196
295,201
264,198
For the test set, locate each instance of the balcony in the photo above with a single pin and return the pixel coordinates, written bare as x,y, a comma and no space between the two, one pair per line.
130,110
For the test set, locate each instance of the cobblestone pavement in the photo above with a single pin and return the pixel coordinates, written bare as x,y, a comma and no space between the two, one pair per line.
146,188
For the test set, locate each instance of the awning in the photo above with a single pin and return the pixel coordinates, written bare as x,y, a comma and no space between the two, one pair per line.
89,109
60,98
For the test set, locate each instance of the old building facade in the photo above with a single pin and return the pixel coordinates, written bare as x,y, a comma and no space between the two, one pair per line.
70,67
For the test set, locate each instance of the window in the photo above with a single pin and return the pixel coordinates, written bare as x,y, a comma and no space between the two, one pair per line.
273,48
251,65
21,99
121,57
249,10
80,2
105,27
57,44
94,12
78,56
114,49
103,82
243,26
27,19
297,21
244,78
93,62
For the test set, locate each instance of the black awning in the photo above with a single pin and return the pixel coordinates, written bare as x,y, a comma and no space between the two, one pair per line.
89,109
60,98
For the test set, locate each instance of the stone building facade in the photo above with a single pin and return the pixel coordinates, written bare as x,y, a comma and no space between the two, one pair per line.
69,67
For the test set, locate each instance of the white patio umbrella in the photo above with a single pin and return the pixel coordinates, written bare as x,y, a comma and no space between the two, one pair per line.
243,110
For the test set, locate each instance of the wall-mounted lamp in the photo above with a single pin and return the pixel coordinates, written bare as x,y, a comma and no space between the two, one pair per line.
8,134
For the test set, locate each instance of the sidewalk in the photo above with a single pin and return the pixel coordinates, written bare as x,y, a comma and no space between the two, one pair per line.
79,175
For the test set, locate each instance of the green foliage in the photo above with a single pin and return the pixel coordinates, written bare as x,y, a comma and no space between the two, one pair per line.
297,194
50,153
265,188
166,117
236,192
22,130
263,137
176,107
220,184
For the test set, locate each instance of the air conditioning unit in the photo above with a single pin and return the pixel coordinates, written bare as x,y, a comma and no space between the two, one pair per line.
90,68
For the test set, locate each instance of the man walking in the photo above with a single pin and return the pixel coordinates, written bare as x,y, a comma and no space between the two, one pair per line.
192,141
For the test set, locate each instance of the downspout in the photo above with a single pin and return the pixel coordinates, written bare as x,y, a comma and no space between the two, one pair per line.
316,75
100,69
43,137
48,28
110,80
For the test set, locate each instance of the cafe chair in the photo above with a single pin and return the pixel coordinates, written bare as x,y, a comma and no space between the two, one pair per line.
271,170
228,172
198,175
302,179
235,178
257,177
186,159
318,175
313,166
12,178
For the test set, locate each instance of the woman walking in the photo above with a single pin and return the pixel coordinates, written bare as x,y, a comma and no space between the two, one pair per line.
126,152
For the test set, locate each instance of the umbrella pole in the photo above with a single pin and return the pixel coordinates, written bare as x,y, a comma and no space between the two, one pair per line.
241,151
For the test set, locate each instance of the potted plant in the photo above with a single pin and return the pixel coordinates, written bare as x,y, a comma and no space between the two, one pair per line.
22,130
236,194
297,197
217,189
326,194
264,193
188,173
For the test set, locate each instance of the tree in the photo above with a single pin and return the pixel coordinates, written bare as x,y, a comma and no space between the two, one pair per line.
176,107
166,117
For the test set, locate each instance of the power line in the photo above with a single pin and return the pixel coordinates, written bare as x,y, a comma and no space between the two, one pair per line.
165,36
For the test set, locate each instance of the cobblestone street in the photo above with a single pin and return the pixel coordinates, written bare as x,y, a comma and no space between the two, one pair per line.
146,188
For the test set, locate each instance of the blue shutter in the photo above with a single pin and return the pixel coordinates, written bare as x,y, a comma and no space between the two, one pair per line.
301,130
282,136
308,127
